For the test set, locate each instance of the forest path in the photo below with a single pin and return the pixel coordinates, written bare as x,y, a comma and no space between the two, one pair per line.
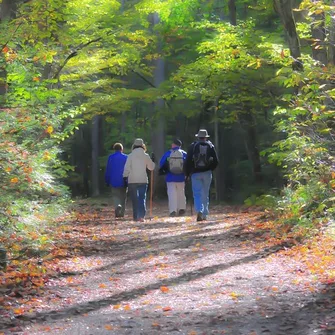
228,275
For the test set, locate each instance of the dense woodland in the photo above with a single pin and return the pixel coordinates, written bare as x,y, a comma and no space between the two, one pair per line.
78,76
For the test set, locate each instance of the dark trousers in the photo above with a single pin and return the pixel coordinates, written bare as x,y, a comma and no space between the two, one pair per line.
138,194
119,196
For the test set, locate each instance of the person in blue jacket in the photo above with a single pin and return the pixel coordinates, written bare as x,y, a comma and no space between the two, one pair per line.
114,179
172,164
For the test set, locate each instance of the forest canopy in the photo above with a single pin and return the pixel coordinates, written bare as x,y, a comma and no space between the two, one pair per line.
78,76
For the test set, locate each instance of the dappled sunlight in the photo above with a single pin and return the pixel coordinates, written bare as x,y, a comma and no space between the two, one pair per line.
166,269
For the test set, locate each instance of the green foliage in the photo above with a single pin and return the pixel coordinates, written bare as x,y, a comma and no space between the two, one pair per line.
306,152
35,118
67,61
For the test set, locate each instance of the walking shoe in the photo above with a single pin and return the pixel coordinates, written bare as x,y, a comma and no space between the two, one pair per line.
118,211
140,220
181,212
200,217
173,214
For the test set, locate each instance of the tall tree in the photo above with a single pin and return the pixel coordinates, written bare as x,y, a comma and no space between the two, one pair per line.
95,166
7,12
158,131
319,49
284,10
232,12
331,45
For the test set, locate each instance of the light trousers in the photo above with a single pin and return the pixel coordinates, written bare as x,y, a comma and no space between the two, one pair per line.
176,196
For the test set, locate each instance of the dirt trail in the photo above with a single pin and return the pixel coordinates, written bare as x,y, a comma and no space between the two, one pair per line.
177,276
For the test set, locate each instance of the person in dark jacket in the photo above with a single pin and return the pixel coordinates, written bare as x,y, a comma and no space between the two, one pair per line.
173,163
201,160
114,178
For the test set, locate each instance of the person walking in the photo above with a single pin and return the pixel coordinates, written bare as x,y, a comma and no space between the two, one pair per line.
172,164
114,179
201,160
135,175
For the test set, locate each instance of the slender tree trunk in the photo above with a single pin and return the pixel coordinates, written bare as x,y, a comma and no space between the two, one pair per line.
95,168
319,51
124,115
83,159
331,46
284,10
8,9
248,124
218,170
7,12
232,12
158,132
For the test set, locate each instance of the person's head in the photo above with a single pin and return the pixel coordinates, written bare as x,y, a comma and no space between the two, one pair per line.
202,135
176,143
138,143
118,147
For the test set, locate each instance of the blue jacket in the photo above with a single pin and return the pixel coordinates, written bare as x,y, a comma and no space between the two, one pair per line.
114,169
170,177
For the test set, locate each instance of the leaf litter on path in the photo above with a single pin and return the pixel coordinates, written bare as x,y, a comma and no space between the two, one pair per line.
228,275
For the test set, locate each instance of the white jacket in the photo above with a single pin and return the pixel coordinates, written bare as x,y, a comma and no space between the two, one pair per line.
136,167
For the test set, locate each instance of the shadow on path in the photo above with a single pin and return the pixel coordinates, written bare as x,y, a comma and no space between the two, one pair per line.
133,294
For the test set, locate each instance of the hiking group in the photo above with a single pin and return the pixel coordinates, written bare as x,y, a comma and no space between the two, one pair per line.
129,173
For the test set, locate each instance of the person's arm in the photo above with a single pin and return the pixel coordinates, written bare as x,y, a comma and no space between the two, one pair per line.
150,164
126,170
184,155
162,162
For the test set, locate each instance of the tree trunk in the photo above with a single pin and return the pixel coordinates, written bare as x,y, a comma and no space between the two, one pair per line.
248,124
8,9
7,12
158,132
319,51
95,168
218,170
284,10
331,46
232,12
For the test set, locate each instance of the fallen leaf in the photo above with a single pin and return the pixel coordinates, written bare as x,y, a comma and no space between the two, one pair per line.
165,289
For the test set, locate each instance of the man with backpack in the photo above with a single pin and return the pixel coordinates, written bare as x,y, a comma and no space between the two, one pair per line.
172,164
114,178
200,162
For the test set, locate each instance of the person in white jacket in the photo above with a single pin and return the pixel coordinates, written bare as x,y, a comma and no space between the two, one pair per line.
135,174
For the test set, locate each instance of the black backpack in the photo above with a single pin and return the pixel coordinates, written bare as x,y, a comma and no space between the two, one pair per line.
202,156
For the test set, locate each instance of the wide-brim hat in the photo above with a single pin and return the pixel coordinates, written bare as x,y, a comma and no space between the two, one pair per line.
138,142
202,133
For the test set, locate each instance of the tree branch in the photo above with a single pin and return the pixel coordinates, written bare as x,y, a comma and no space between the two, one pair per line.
74,53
